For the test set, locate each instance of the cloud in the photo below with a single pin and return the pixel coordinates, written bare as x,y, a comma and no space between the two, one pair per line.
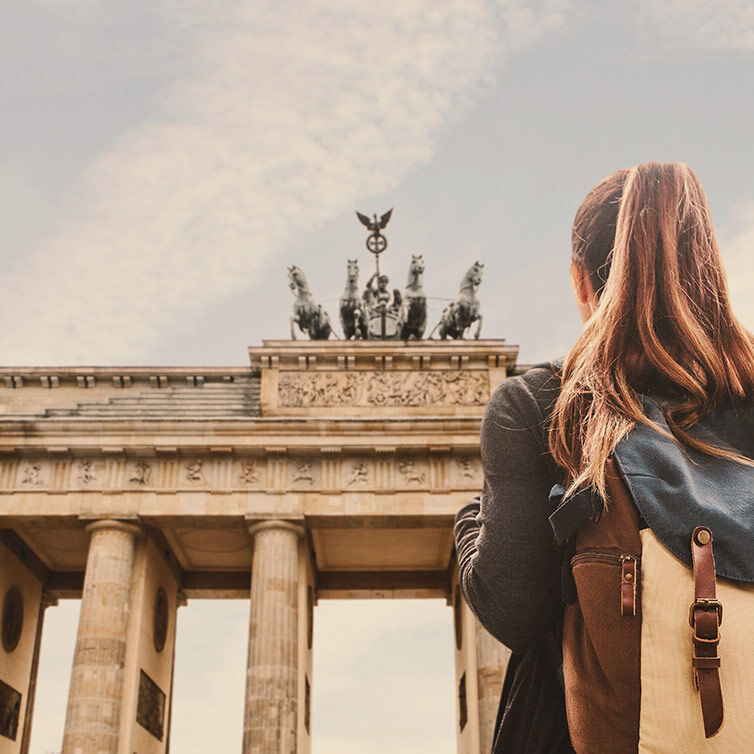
298,108
719,24
292,112
526,21
737,244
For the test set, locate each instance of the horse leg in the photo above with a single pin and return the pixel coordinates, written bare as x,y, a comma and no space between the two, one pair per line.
478,327
324,326
446,315
294,321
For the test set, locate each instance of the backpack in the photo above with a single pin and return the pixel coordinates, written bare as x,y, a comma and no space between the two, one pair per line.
646,664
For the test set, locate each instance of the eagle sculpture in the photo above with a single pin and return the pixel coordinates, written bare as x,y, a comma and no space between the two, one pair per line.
374,224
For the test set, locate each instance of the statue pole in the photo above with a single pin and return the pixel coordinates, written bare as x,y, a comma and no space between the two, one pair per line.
377,243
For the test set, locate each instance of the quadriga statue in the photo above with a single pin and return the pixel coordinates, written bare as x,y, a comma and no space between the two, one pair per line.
352,318
414,305
310,317
458,316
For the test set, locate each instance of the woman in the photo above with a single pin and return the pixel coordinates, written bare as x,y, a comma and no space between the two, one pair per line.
650,287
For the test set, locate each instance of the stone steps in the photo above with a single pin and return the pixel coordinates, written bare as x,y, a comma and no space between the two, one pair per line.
205,401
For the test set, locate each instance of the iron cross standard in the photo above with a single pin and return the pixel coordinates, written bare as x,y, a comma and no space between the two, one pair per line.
376,242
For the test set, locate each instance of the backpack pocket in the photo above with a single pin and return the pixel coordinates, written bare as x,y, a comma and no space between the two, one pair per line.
601,663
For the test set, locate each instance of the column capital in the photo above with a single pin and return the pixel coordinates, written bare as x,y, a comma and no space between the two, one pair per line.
110,523
294,526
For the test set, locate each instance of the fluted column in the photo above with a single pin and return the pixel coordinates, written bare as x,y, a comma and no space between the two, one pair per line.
94,701
491,662
272,670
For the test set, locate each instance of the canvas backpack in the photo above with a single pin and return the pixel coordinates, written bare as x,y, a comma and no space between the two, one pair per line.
649,664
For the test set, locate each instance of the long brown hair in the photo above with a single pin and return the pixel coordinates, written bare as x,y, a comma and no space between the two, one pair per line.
662,325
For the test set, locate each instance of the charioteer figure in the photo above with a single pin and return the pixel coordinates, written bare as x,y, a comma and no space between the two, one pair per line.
382,307
380,296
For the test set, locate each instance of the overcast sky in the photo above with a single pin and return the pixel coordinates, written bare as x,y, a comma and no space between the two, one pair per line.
164,162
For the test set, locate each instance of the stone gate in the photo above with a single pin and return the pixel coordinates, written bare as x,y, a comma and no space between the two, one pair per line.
325,469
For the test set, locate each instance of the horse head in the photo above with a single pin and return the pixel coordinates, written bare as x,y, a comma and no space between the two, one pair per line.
473,277
352,273
417,263
415,271
297,280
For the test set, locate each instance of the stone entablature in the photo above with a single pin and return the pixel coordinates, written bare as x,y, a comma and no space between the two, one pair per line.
329,469
336,378
323,470
118,377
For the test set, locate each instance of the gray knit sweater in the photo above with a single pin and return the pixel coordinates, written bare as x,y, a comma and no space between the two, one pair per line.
508,566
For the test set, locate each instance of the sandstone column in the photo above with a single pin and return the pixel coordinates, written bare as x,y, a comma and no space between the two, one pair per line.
481,662
94,701
491,663
272,670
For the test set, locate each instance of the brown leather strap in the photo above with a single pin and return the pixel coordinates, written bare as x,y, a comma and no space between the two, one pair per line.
628,585
705,616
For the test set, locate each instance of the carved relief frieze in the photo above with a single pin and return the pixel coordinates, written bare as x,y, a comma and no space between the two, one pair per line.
140,473
81,473
411,473
303,473
250,473
465,469
467,472
34,474
332,471
86,472
404,388
194,472
357,474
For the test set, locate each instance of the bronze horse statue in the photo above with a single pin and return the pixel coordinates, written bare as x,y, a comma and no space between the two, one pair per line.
458,316
351,311
414,305
307,313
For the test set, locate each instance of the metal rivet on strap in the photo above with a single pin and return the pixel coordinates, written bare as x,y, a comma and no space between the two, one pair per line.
703,537
628,576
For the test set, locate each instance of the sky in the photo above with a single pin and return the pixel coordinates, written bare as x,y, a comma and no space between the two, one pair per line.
164,162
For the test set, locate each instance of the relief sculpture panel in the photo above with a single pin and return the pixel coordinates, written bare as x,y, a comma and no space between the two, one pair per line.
303,473
150,712
34,474
404,388
10,711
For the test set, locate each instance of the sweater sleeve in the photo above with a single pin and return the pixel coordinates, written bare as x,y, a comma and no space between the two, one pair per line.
509,569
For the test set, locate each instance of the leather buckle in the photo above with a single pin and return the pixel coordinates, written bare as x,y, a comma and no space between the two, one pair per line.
704,604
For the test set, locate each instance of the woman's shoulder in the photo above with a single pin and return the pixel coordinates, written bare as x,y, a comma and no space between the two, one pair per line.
529,395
